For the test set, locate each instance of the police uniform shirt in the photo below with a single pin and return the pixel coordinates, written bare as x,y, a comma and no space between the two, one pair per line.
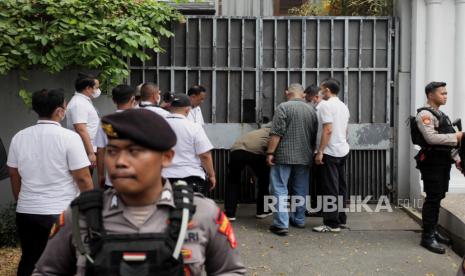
149,106
209,245
44,155
80,110
255,142
195,115
427,124
192,141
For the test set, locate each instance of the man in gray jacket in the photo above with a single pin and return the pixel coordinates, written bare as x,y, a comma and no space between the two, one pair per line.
290,151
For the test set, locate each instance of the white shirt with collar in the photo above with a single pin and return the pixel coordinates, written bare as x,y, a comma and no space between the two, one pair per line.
44,155
334,111
195,115
80,110
150,106
320,124
192,141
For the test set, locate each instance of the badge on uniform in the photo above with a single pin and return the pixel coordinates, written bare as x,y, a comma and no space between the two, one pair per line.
57,225
114,202
225,228
165,195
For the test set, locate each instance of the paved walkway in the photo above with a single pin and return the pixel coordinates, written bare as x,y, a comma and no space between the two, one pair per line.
375,244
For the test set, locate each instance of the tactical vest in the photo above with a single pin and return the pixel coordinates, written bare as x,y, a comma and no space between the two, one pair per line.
133,254
445,127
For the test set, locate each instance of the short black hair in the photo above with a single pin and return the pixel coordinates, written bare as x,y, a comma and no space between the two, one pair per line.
312,90
167,97
196,90
432,86
83,81
45,102
146,90
122,93
332,84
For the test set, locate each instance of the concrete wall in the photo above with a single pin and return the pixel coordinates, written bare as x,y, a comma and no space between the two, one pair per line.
16,116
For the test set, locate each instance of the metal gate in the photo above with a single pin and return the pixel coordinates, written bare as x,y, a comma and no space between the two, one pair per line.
246,63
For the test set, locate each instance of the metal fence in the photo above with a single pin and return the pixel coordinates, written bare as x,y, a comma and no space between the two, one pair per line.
246,63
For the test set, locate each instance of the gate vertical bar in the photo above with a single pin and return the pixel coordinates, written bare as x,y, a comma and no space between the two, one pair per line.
346,61
360,45
228,96
318,51
259,71
242,72
373,100
332,48
275,62
187,55
172,61
304,51
214,56
288,62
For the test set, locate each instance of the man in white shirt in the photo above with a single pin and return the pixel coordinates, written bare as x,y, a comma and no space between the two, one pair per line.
332,153
48,167
150,99
82,116
197,95
192,156
124,98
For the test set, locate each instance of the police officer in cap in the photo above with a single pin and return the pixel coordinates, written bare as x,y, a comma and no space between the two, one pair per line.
145,225
438,140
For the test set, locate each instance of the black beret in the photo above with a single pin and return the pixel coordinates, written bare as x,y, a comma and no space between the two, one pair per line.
180,100
144,127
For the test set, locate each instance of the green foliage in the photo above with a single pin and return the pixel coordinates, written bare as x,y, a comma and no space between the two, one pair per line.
345,8
91,34
8,236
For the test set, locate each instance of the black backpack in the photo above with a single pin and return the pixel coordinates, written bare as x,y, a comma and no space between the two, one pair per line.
415,134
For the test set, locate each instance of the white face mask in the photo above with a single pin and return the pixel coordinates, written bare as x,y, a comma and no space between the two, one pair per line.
159,100
96,93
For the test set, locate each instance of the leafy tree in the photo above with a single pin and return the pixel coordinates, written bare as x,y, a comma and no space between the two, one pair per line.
93,34
345,8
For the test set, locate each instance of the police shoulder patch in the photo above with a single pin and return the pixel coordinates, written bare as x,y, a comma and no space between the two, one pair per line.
426,119
57,225
225,228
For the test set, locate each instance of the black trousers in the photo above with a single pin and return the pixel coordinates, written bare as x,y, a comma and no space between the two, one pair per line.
435,185
315,184
239,159
33,232
334,184
198,184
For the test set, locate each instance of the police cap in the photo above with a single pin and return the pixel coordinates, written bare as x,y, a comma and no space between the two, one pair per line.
142,126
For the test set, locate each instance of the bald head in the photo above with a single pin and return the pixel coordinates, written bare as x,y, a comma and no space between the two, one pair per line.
149,92
295,90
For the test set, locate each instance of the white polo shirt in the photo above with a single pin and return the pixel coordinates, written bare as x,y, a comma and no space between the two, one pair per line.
191,142
195,115
44,155
149,106
101,141
80,110
334,111
320,124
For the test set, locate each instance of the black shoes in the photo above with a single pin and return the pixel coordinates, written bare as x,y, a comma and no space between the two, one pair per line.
428,241
279,231
442,239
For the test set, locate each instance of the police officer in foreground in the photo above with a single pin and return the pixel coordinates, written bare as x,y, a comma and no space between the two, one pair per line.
145,225
436,136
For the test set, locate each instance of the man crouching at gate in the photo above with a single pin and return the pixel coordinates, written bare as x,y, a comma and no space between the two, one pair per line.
145,225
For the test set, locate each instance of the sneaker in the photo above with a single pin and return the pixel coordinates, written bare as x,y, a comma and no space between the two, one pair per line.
279,231
326,229
264,215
